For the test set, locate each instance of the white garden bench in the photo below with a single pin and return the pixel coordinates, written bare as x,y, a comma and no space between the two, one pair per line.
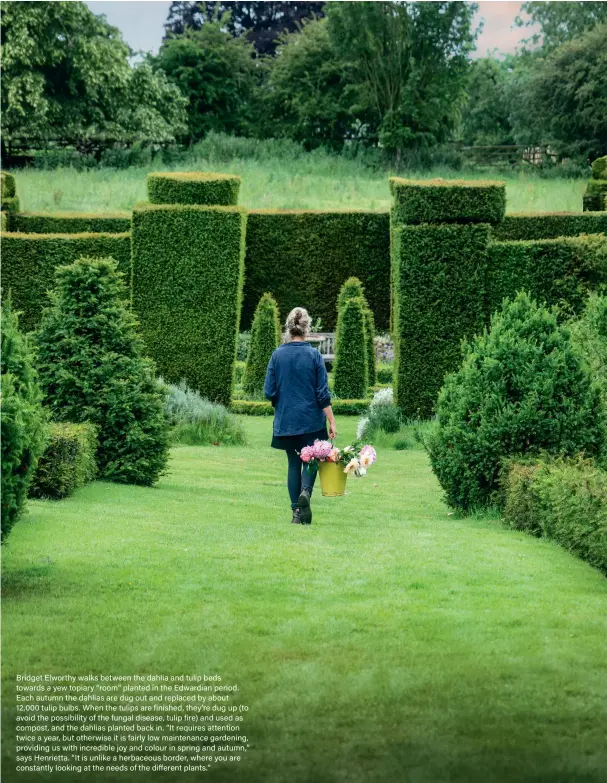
325,342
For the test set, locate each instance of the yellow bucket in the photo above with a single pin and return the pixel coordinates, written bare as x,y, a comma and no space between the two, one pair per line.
332,479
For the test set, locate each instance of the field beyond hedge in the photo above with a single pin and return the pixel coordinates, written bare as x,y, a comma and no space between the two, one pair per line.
313,182
390,641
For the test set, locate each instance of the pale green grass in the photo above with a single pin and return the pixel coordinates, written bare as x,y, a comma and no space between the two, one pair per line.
386,642
307,183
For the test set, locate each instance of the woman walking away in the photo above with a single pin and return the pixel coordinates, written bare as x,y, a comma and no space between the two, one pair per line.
297,385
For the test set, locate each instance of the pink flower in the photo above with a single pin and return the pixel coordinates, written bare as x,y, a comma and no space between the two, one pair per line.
333,455
369,451
307,453
322,449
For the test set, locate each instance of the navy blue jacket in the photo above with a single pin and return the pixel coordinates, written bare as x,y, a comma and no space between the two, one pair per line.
298,387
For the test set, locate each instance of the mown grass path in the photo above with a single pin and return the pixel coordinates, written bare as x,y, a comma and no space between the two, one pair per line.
388,642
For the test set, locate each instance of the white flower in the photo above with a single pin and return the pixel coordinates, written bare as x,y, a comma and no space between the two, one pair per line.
351,466
382,397
360,430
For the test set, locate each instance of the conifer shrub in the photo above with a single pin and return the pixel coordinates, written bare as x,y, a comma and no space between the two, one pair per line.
265,338
522,388
92,368
198,187
350,372
23,419
599,168
8,187
353,289
68,461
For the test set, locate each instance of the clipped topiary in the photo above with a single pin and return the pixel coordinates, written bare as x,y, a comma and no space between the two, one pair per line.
522,388
265,338
599,168
352,289
92,368
350,372
23,420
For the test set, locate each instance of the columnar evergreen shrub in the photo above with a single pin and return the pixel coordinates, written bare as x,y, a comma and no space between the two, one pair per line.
23,420
68,461
92,368
521,388
353,289
198,187
188,266
265,338
350,373
71,222
304,257
29,262
8,187
440,280
561,499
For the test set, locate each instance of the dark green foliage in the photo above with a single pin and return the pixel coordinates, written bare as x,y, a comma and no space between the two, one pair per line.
4,221
187,288
23,420
440,298
599,168
8,188
549,225
593,202
447,201
522,388
303,258
92,368
71,223
556,271
10,204
596,187
353,289
350,372
29,262
198,187
589,335
385,374
68,461
265,338
561,499
340,407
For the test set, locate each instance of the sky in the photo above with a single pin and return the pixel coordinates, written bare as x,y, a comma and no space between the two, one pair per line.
141,23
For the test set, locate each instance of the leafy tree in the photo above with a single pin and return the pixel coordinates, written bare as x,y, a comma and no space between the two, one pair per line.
561,22
307,96
216,74
91,365
261,23
67,78
409,64
23,420
522,389
562,99
265,338
350,374
485,116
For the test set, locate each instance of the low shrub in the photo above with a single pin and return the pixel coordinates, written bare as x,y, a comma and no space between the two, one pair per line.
340,407
265,338
68,461
382,416
599,168
23,422
350,370
561,499
92,368
199,422
522,388
385,373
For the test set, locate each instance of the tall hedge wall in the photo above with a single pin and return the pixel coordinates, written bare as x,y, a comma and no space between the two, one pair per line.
447,201
29,262
439,281
187,291
70,222
197,187
303,258
556,271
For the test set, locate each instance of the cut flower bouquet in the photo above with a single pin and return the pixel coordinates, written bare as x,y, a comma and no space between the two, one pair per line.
356,459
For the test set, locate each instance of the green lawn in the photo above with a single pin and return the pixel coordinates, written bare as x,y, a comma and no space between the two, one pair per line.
389,641
308,183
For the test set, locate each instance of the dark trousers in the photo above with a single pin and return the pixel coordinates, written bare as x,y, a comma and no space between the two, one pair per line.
300,476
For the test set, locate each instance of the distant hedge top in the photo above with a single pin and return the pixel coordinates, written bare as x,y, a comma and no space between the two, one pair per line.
196,187
447,201
8,187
